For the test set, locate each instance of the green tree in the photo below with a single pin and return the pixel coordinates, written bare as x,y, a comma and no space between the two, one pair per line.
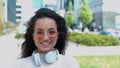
85,13
70,16
70,6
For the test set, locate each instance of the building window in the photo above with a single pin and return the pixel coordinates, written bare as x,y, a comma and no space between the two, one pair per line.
18,11
18,6
18,17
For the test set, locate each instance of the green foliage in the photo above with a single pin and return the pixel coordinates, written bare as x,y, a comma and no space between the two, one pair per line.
70,16
85,13
93,39
111,61
19,36
70,6
9,26
70,19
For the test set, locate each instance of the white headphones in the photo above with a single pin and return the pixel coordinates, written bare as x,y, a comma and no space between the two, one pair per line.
49,57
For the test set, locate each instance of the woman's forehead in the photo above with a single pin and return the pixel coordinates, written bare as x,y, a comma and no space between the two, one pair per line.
43,23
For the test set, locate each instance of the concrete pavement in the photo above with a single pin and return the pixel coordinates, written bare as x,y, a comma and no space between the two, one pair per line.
8,50
79,50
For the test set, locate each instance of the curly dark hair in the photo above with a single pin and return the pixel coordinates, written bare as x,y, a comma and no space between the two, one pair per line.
28,46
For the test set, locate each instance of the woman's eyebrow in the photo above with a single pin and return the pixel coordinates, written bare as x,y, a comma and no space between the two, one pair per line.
38,29
52,29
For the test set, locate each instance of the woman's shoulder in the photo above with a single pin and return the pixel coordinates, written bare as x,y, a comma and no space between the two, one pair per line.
70,61
26,59
21,62
67,57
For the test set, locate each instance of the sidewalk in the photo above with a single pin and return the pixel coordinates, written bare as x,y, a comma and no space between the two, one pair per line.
79,50
8,50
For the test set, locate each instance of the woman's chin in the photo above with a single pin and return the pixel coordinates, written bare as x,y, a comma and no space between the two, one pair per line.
44,50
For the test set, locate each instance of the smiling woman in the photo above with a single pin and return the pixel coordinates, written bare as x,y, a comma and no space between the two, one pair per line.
45,34
45,42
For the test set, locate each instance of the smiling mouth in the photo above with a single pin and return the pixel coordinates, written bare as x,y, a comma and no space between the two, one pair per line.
45,44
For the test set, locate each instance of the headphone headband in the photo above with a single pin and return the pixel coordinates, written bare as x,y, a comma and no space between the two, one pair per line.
49,57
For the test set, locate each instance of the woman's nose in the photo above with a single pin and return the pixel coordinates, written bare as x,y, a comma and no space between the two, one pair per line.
45,36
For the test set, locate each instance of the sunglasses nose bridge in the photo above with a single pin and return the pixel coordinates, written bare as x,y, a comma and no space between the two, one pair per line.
45,34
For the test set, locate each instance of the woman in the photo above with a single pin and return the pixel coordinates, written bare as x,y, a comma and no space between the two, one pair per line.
45,42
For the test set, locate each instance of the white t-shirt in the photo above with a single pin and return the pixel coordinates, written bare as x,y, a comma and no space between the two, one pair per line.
62,62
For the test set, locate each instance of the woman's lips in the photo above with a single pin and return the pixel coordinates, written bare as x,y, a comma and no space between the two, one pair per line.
45,44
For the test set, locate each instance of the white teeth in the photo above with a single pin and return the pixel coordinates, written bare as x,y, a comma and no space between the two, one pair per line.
45,43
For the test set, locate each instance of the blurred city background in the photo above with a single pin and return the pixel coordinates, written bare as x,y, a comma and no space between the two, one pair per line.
94,27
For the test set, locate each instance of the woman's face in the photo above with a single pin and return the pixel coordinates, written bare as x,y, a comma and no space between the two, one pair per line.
45,34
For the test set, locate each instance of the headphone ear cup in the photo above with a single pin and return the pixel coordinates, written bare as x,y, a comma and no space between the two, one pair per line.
36,58
51,56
